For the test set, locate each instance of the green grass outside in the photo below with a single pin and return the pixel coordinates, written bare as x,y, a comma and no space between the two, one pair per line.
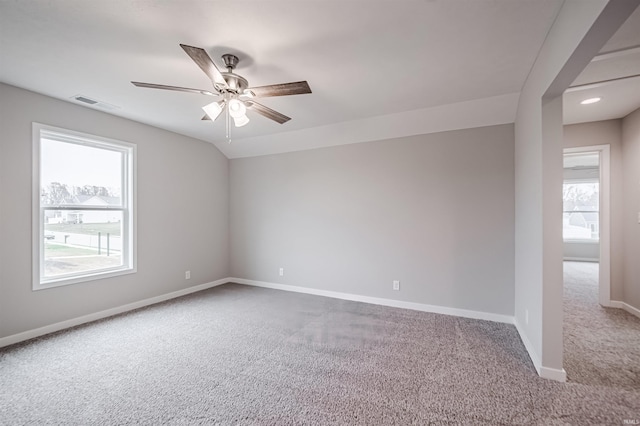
61,250
85,228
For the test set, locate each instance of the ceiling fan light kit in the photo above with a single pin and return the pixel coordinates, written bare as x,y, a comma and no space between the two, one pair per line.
237,108
241,121
213,109
237,96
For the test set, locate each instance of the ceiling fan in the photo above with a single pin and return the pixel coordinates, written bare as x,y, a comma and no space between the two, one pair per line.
237,96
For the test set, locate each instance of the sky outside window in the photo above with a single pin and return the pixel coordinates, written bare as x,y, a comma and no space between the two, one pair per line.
77,165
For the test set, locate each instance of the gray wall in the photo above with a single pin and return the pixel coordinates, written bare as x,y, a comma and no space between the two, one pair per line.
630,219
608,132
434,211
182,213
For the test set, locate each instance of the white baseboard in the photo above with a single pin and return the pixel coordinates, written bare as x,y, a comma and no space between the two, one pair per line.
380,301
622,305
544,372
37,332
535,358
553,374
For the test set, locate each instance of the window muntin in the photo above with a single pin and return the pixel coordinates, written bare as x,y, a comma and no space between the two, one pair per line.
83,202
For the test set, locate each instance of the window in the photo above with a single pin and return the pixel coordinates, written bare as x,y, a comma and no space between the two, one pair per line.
83,207
581,211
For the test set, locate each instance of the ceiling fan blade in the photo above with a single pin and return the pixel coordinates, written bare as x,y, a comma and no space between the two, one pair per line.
285,89
176,88
267,112
203,60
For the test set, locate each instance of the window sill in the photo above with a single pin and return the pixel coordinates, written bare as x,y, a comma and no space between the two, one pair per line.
582,241
63,281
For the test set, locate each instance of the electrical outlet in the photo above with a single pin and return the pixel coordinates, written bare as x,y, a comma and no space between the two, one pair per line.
526,316
187,275
282,272
396,285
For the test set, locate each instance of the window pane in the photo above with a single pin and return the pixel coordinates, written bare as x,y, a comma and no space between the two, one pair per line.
580,220
582,196
81,241
73,174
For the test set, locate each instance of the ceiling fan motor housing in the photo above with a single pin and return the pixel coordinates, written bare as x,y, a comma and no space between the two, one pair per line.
236,83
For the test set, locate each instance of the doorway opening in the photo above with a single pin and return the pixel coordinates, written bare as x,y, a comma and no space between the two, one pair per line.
586,217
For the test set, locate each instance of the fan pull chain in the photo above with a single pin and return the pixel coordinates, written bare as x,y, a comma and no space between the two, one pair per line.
228,124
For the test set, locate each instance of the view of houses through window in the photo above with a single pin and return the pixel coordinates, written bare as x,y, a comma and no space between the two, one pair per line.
84,206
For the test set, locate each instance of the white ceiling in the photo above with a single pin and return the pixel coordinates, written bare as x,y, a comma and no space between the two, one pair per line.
619,58
381,64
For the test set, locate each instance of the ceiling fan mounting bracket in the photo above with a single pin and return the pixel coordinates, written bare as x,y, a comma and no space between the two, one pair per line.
230,61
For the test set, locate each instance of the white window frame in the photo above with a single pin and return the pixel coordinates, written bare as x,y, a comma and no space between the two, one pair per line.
128,208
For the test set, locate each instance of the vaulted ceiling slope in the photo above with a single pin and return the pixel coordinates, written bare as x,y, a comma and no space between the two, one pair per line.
377,68
613,76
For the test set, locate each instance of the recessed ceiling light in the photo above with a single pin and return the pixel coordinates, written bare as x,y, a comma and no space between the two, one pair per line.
590,101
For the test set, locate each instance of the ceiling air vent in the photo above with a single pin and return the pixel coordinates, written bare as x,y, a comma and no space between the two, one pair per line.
85,100
92,102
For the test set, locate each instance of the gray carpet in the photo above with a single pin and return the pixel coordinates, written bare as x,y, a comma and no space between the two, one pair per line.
601,345
241,355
